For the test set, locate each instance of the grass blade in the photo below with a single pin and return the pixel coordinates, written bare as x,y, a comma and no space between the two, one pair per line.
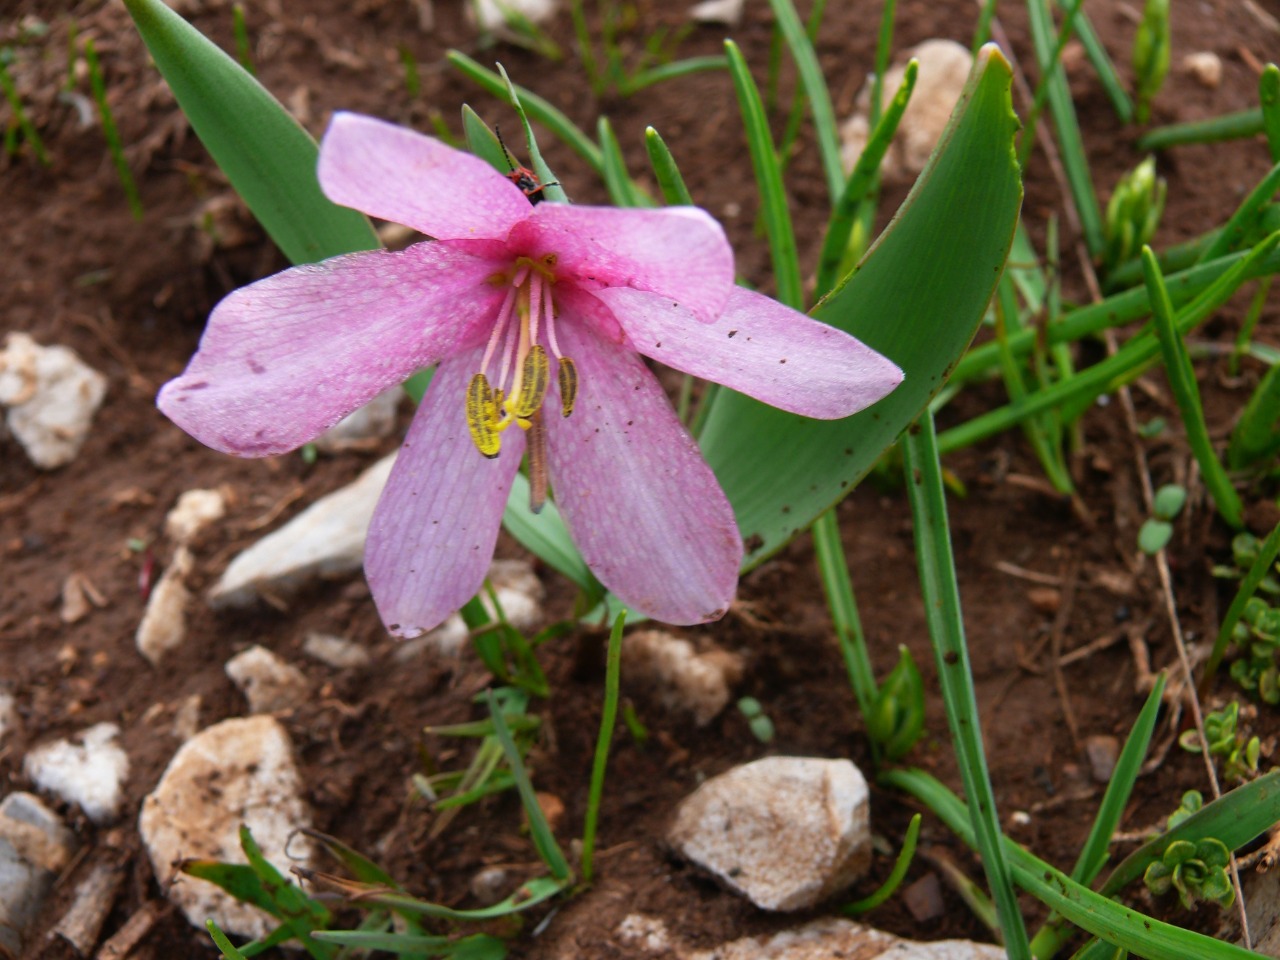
815,88
539,109
543,839
1093,855
608,719
98,84
1063,111
773,194
665,171
1233,232
1267,553
1229,126
1103,67
838,589
946,630
1182,381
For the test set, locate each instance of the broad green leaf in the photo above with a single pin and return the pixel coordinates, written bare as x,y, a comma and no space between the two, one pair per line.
265,153
917,298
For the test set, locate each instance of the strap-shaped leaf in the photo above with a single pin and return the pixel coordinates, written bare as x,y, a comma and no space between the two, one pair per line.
917,298
265,153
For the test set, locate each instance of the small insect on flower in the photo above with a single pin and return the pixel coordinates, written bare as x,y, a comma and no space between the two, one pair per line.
523,177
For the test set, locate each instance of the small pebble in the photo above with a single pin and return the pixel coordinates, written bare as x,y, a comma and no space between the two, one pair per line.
924,898
194,511
1045,599
1102,751
336,652
89,774
1205,67
490,885
267,682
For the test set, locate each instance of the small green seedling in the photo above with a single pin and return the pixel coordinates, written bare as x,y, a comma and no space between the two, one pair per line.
1133,213
1192,803
1257,633
1238,754
759,722
1198,871
1151,55
1157,531
896,720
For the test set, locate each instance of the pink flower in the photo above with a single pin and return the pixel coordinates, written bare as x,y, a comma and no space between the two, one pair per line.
537,316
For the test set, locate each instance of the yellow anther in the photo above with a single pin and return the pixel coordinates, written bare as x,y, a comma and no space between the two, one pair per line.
535,371
482,416
567,376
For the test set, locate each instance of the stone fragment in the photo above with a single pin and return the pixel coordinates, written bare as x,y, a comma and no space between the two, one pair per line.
505,18
89,774
186,719
336,652
325,540
239,771
194,511
52,396
924,899
164,624
34,848
1045,599
1102,751
724,12
944,67
79,598
698,684
267,682
785,832
362,429
490,885
1205,68
8,714
822,939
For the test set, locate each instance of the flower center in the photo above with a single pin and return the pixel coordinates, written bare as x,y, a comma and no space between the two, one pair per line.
516,353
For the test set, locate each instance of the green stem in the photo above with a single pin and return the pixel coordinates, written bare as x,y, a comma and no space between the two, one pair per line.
608,719
946,629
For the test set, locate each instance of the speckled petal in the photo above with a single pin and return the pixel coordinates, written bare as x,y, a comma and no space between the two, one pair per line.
287,357
761,348
435,528
678,252
640,502
394,173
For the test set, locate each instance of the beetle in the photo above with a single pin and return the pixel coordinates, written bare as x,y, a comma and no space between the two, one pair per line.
523,177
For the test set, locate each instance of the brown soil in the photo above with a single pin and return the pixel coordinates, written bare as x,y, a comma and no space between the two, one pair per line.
131,297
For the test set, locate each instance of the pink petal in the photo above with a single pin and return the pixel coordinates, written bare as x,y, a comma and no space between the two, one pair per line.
640,502
434,530
287,357
393,173
678,252
761,348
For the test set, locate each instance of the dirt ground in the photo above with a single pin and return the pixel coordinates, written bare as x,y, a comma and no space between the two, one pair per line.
131,298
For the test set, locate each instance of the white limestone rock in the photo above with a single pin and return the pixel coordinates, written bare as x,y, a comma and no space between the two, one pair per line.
34,848
1204,67
944,67
267,682
239,771
822,939
8,714
698,684
325,540
334,651
726,13
785,832
362,429
164,623
52,396
502,18
89,774
194,511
